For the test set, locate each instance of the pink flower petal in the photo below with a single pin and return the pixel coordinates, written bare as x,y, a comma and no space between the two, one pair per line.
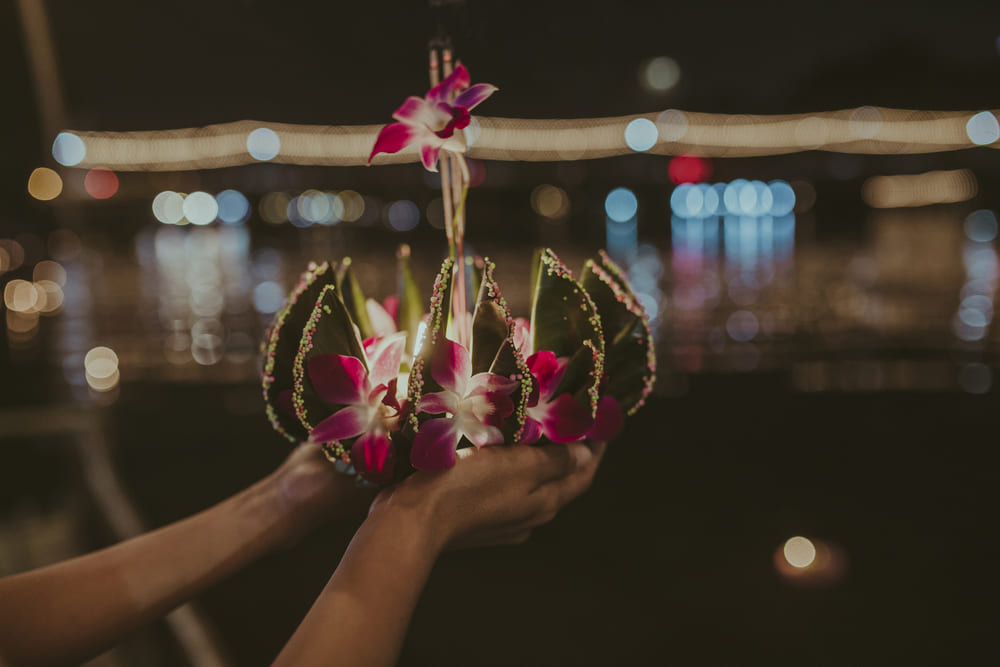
419,112
385,357
491,382
438,402
474,95
532,431
609,420
434,446
394,138
383,323
565,420
285,405
457,80
429,156
390,397
451,366
338,379
491,406
374,457
480,434
344,423
522,334
391,306
548,370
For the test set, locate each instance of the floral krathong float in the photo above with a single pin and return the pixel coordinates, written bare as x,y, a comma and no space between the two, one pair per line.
389,388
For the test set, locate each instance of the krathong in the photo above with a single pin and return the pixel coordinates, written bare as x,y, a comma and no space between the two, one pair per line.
390,388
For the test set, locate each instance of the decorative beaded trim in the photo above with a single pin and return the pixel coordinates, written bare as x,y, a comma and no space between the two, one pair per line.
435,328
554,266
313,271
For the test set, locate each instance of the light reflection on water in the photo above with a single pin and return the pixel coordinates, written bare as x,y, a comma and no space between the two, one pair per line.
907,304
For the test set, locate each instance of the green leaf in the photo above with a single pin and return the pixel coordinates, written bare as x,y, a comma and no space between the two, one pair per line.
411,304
630,356
354,298
565,321
281,344
328,330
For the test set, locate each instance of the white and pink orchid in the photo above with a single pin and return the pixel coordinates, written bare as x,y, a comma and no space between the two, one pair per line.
473,406
431,121
370,409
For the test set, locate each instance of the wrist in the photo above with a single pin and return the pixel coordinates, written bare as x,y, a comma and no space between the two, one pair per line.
413,519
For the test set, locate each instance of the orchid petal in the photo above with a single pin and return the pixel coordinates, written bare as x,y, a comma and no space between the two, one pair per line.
532,431
473,96
451,367
609,420
565,420
548,370
374,457
457,80
429,156
480,434
385,357
419,112
490,407
344,423
338,379
438,402
284,403
383,323
391,306
394,137
434,446
391,398
522,333
491,382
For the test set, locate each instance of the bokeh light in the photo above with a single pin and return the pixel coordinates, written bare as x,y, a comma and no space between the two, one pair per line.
799,552
49,270
658,75
200,208
233,207
44,184
983,128
168,207
11,255
68,149
981,226
975,378
268,297
865,122
621,205
641,134
688,169
274,207
403,215
101,365
101,183
550,201
263,144
672,125
742,326
353,203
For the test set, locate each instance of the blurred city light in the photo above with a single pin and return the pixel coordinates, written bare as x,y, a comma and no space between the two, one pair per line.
403,215
671,125
621,205
44,184
550,201
688,169
981,226
233,207
658,75
200,208
68,149
799,552
101,183
983,128
932,187
101,365
263,144
641,134
168,207
865,122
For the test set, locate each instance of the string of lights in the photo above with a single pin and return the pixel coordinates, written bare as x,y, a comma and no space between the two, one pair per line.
871,130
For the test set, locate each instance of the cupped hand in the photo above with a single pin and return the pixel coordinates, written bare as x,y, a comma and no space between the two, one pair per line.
309,492
496,495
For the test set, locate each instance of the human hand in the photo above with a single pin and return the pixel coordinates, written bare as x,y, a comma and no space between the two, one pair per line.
495,495
308,492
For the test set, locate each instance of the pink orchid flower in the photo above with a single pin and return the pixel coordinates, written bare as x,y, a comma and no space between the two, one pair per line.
383,315
474,406
559,418
431,121
371,409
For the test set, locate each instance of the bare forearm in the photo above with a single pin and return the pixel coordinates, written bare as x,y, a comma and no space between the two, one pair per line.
70,611
361,617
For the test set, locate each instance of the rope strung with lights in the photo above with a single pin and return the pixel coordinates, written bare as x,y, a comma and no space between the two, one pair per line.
871,130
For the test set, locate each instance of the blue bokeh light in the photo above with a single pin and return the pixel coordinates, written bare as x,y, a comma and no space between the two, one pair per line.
233,207
641,134
621,205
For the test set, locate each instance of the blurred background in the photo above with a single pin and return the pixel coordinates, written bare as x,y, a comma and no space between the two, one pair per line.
813,481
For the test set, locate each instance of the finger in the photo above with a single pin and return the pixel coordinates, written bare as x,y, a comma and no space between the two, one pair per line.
572,486
557,461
